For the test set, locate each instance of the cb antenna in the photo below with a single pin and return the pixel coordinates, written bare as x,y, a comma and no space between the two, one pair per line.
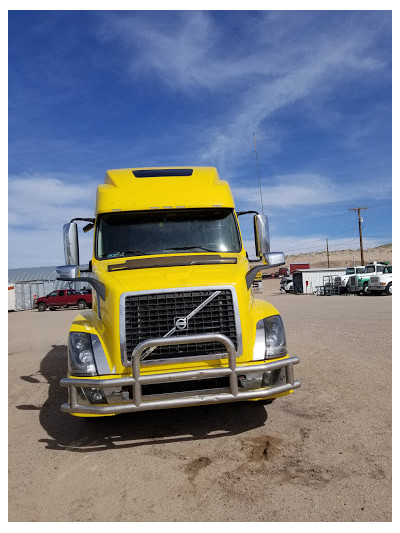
258,171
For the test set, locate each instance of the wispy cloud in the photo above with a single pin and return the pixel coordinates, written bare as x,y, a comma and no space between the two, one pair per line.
282,65
38,207
36,200
303,190
292,245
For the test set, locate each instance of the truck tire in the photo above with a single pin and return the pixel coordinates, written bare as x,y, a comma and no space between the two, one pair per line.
82,304
41,306
366,290
388,290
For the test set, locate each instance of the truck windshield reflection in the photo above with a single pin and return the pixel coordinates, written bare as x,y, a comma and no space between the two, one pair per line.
165,232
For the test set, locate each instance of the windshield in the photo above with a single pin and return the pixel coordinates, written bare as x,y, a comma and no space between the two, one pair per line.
360,270
166,232
371,268
349,270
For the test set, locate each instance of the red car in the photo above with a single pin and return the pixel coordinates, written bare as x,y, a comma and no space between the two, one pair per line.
64,298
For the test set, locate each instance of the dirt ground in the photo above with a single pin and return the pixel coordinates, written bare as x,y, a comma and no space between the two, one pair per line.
342,258
320,454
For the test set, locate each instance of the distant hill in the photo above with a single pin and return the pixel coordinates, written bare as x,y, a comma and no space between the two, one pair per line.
341,258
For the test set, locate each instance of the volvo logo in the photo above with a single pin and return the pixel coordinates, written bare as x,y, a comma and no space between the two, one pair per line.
181,322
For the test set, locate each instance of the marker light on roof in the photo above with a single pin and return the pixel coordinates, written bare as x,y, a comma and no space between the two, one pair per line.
162,172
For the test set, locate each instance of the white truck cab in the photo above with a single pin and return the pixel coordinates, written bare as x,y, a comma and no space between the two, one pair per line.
359,283
343,280
381,282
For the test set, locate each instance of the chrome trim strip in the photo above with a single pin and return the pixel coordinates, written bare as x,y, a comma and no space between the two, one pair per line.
124,357
179,400
103,368
259,343
98,305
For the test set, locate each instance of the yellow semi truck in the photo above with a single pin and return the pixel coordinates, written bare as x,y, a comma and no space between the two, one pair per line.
174,321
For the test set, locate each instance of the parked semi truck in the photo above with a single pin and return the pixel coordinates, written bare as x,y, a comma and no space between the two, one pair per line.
343,281
174,319
358,283
381,283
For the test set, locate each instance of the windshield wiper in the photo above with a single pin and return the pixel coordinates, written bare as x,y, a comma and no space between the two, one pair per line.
125,253
190,248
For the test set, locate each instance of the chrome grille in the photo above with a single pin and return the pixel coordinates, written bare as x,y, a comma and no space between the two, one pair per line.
153,315
353,281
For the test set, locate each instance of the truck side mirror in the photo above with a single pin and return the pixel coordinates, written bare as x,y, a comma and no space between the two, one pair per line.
274,258
68,271
261,235
270,260
71,245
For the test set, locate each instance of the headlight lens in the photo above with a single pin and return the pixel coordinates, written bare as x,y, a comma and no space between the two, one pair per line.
275,338
80,355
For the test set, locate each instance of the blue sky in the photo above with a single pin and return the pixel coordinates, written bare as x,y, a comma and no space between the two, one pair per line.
94,90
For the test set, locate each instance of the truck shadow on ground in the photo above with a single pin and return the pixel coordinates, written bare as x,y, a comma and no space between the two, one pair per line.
131,430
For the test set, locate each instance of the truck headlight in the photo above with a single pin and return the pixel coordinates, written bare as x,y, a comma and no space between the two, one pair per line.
275,338
80,355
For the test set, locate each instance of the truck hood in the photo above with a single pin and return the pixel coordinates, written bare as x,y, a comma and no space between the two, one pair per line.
177,272
184,271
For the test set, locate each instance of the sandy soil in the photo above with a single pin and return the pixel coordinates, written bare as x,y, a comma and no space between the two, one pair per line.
321,454
342,258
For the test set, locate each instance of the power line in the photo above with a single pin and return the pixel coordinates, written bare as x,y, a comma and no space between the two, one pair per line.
341,243
322,238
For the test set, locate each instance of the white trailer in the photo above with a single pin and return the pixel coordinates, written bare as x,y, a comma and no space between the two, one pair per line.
308,281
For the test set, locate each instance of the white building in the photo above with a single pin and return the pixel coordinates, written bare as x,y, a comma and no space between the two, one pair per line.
26,284
308,281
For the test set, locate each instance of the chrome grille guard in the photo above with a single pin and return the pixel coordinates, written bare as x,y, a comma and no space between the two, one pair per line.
137,380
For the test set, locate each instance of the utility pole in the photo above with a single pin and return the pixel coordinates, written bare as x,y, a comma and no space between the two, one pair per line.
327,250
358,209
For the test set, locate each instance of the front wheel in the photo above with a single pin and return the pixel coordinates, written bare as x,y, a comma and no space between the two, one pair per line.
82,304
388,289
366,290
41,306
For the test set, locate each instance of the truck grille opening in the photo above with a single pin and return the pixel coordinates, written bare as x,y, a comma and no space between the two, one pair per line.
152,315
183,386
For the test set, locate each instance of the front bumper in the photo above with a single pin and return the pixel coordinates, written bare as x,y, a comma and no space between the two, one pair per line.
170,400
377,288
354,289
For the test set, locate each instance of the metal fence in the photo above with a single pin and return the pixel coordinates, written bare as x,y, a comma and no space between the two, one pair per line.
25,293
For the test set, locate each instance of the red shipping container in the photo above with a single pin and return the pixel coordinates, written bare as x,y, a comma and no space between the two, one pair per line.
299,266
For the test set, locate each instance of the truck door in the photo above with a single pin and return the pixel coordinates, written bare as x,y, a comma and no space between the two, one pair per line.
71,297
51,299
57,300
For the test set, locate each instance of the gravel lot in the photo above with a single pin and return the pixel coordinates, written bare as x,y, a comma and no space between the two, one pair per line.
321,454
